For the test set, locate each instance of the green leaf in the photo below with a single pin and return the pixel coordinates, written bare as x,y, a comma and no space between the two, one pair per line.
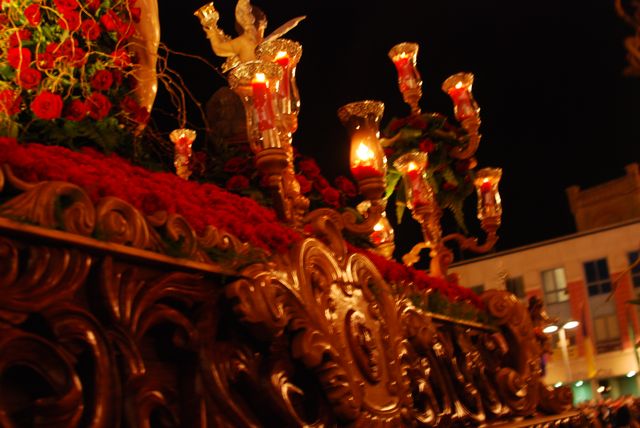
393,177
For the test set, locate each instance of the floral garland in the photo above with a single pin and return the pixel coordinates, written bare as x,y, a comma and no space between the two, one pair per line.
66,72
431,133
109,175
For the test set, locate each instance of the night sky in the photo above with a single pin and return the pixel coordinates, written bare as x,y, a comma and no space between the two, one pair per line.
556,110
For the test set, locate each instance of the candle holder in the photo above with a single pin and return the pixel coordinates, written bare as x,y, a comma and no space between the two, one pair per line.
466,111
286,54
257,83
383,236
367,160
183,140
404,57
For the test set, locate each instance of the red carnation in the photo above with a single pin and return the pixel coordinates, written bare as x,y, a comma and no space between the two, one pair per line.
98,106
136,12
305,185
47,105
79,57
346,186
309,168
331,197
32,13
66,4
28,78
76,110
19,57
121,58
45,60
93,5
90,29
18,37
70,19
427,145
10,102
102,80
110,21
237,165
237,183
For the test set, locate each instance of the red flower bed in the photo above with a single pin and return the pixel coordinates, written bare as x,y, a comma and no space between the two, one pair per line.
396,273
109,175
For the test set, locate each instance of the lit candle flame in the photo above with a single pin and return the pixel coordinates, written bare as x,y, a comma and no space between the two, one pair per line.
364,153
412,166
458,85
260,77
280,55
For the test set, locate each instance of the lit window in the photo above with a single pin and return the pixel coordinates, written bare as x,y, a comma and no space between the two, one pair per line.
554,284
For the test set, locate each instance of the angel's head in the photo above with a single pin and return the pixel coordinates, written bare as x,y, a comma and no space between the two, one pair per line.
250,18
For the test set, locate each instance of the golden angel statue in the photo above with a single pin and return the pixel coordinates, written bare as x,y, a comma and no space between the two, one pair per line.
251,23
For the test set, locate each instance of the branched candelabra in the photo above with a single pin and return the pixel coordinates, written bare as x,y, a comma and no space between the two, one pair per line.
420,196
267,87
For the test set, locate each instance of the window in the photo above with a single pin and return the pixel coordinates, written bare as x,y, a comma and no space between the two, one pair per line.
516,286
635,272
597,273
607,333
554,284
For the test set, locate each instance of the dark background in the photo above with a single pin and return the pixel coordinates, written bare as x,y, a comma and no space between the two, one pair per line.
556,110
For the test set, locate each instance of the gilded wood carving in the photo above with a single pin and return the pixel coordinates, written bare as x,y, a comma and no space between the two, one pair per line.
100,326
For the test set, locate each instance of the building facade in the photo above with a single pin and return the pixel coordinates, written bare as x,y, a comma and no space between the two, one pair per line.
583,277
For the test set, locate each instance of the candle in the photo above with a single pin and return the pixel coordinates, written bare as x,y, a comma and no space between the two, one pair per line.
418,189
364,164
406,71
262,103
282,58
462,101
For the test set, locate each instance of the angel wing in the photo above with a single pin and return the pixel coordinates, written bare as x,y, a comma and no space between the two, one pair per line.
244,16
283,29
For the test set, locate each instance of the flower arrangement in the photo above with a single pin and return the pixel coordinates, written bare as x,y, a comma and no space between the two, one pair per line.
66,72
431,133
100,175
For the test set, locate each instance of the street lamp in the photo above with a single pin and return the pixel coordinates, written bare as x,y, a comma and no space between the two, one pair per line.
562,341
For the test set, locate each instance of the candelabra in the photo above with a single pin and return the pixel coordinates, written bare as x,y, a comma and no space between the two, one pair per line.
420,195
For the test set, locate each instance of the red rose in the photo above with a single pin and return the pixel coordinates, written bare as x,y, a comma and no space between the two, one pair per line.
45,60
110,21
237,165
93,5
427,145
320,183
76,110
136,12
346,186
32,13
18,37
309,168
331,197
10,102
125,30
79,57
47,105
305,185
70,19
90,29
19,57
101,80
237,183
28,78
121,58
66,4
98,106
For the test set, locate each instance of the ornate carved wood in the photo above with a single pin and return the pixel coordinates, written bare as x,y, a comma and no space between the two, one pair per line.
101,326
